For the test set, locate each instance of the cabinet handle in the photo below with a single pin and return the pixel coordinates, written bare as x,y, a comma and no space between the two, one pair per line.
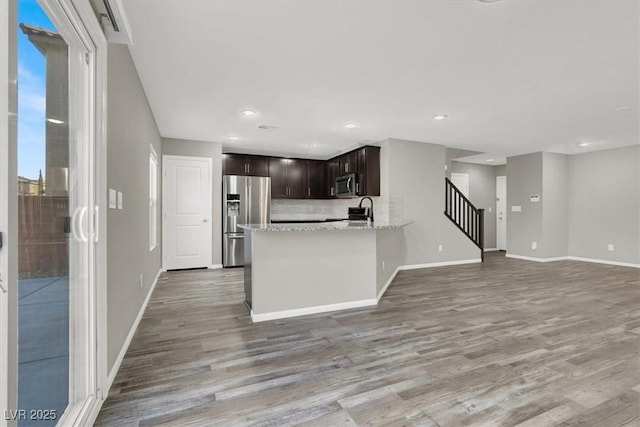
248,168
309,192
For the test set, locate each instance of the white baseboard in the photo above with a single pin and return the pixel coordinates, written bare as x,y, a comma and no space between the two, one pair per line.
439,264
603,261
384,288
214,266
116,366
528,258
491,250
311,310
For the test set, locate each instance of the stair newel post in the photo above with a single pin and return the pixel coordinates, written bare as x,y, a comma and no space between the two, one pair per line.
481,220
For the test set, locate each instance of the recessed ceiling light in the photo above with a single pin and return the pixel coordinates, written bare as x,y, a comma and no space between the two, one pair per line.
440,117
623,109
583,144
313,145
234,137
248,113
489,160
55,121
350,125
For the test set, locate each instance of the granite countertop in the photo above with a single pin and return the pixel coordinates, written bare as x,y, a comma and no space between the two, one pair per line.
327,226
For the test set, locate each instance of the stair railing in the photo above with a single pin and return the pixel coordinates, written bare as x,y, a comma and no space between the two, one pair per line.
468,218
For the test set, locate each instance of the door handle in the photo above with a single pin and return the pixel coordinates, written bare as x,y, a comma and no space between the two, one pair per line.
205,220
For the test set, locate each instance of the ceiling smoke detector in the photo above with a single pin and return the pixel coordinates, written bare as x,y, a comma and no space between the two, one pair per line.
267,127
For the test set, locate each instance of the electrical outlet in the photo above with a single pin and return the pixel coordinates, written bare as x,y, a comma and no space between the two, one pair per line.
141,281
610,247
382,265
439,248
534,246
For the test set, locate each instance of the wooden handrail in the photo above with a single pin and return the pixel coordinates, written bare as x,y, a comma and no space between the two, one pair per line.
469,219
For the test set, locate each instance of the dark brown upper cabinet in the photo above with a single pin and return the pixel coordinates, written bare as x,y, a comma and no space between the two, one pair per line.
315,179
288,178
244,164
368,170
348,163
332,171
310,179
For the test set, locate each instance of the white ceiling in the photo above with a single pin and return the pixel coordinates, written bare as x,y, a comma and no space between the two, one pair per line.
514,76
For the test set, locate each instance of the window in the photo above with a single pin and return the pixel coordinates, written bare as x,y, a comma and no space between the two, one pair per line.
153,199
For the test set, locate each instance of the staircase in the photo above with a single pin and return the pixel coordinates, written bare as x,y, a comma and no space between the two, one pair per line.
468,218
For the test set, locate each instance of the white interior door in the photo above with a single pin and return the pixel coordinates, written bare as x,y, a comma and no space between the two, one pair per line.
501,212
186,201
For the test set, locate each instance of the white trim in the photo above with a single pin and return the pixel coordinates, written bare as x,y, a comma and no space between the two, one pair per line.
311,310
491,250
163,190
214,266
439,264
384,288
132,332
603,261
8,222
528,258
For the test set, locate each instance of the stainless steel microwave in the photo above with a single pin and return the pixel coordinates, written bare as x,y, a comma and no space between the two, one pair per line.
347,186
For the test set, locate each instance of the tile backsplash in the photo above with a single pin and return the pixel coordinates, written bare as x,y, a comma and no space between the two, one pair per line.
384,208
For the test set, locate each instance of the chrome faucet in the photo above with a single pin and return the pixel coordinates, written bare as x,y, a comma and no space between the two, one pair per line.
370,216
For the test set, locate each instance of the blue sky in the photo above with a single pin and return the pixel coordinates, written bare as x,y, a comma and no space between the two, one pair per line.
31,93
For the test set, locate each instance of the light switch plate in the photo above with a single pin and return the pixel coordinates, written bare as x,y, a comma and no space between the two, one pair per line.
113,199
119,199
516,208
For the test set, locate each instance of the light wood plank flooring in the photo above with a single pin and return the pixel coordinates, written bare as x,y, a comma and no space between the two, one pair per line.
507,342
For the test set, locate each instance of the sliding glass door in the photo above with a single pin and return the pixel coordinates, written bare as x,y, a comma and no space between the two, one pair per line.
55,169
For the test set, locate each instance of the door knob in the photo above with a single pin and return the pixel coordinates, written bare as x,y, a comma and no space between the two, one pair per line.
205,220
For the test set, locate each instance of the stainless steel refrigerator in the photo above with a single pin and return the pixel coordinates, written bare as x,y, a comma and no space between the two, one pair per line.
245,200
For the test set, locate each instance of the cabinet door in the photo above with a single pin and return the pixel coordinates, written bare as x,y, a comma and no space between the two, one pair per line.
369,171
315,179
362,172
296,178
333,170
348,163
257,166
234,164
278,174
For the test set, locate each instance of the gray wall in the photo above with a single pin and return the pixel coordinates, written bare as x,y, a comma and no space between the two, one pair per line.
413,172
482,193
604,204
391,247
524,178
555,208
501,170
213,150
131,129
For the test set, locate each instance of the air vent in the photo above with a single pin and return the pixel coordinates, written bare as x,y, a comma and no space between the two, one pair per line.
267,127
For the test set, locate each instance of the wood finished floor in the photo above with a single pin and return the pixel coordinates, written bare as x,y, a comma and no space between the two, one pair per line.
508,342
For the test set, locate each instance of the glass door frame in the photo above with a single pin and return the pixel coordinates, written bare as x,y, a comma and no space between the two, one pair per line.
76,21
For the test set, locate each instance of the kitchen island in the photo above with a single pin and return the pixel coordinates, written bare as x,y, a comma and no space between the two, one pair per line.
295,269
